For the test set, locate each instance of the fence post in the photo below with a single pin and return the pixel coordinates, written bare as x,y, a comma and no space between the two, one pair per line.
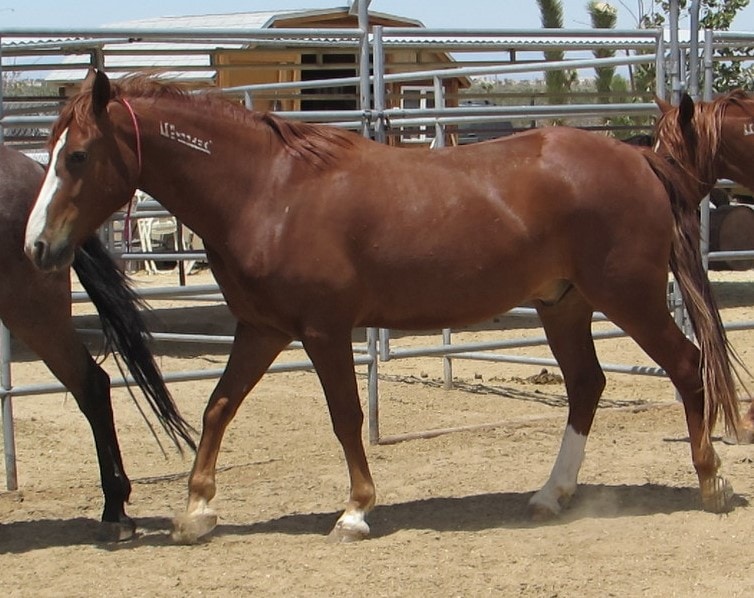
439,141
6,403
9,437
364,51
372,387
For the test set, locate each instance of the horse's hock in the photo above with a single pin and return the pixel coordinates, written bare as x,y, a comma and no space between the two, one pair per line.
732,229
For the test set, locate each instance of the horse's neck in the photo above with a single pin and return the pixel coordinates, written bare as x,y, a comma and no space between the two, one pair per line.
188,158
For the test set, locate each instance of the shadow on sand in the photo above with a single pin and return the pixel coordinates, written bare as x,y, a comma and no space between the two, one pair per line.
466,514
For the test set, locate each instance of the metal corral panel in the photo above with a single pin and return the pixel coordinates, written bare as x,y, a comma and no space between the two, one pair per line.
519,43
188,58
192,58
159,56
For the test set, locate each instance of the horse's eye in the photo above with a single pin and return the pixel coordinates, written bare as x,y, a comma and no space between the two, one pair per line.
77,157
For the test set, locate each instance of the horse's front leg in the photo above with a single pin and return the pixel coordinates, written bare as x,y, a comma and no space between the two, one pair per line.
95,403
332,356
252,353
72,364
568,328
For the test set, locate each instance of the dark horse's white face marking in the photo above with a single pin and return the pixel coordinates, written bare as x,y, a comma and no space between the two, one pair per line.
52,183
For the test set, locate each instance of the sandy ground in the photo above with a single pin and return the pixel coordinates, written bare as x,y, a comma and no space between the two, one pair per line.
451,515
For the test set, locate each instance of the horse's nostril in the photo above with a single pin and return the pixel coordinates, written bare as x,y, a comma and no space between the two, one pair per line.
41,249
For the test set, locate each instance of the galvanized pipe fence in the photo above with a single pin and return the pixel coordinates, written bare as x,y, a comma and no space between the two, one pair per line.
374,119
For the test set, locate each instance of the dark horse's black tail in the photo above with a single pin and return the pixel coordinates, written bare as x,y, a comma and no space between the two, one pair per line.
126,332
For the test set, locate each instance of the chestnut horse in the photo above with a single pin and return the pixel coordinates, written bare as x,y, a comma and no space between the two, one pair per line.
711,141
36,307
312,231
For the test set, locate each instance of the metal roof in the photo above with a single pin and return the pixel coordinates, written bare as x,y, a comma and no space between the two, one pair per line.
246,20
164,55
193,66
193,60
239,20
171,53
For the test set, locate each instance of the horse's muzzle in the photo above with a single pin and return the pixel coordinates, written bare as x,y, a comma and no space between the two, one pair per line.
48,258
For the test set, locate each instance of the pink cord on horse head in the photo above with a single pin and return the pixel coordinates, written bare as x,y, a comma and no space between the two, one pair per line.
137,132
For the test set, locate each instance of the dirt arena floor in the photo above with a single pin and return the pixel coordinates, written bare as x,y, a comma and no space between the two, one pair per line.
451,517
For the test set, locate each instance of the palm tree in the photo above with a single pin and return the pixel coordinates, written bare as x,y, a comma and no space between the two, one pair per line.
604,16
558,83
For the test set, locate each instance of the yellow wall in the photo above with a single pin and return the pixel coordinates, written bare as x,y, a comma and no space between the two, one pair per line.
259,66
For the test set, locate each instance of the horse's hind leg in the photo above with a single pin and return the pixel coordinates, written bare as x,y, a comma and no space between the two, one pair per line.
252,353
332,356
644,316
568,328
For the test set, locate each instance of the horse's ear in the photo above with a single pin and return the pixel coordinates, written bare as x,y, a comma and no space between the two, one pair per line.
663,105
685,111
99,85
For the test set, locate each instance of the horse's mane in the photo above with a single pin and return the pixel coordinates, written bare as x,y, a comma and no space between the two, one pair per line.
696,149
318,144
79,108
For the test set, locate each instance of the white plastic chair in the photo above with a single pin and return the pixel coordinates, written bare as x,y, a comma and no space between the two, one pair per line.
159,233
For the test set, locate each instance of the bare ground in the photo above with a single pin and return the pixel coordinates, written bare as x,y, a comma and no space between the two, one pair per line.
451,517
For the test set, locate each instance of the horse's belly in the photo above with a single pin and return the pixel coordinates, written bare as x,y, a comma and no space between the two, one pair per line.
421,304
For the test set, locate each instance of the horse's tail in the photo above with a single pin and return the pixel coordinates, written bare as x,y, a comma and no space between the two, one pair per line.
124,328
717,355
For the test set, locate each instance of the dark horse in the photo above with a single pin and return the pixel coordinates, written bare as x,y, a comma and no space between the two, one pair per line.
36,307
711,141
312,231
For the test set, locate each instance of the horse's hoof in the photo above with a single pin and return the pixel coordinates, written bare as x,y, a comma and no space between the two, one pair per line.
717,495
349,528
116,531
546,505
540,512
188,528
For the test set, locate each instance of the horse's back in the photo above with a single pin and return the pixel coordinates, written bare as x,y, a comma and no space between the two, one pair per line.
560,159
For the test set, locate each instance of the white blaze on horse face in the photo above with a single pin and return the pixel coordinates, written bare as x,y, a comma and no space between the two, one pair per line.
562,483
38,217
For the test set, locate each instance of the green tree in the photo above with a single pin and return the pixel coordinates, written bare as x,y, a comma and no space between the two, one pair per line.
558,82
603,16
719,15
